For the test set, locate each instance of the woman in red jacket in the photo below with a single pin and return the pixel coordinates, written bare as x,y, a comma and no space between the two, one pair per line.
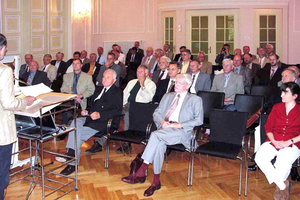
283,130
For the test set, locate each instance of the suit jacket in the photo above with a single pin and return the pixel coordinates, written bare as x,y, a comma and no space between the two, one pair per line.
246,73
187,70
51,72
203,82
235,86
177,56
139,50
156,74
152,64
8,104
110,104
255,68
85,86
264,76
161,90
145,59
85,68
39,77
206,67
266,60
57,83
115,67
170,55
190,115
220,58
123,69
22,70
137,59
85,61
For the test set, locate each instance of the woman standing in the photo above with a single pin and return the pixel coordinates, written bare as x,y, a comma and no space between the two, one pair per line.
282,130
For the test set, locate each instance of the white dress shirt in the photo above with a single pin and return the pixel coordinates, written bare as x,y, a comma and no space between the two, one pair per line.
175,115
101,93
57,64
193,90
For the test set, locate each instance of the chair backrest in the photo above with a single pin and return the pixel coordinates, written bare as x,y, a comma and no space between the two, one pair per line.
211,100
141,114
227,126
247,103
263,121
261,91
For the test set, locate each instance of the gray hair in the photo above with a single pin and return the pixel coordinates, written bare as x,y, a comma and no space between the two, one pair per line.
290,70
145,67
48,55
112,71
165,58
227,60
187,78
159,50
270,45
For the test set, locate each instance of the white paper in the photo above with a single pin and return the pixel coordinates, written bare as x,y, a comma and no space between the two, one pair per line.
35,90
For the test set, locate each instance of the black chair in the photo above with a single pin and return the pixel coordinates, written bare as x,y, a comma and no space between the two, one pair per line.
248,103
261,91
226,139
140,126
211,100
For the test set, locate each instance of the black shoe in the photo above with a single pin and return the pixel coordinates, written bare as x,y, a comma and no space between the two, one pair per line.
168,151
126,147
68,170
252,167
95,148
61,137
294,174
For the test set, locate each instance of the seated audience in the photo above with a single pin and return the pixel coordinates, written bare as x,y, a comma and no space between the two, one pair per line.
61,70
83,57
283,130
121,64
92,67
237,52
185,61
167,85
122,57
101,59
138,49
246,50
206,66
269,50
162,72
253,67
262,60
200,81
110,64
149,55
176,116
69,64
34,76
154,62
167,52
79,83
48,67
178,56
133,60
25,67
243,71
105,103
296,70
223,54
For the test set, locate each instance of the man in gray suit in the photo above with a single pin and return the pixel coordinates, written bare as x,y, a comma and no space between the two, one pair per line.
109,64
162,73
176,116
83,57
168,52
244,71
48,68
201,81
25,67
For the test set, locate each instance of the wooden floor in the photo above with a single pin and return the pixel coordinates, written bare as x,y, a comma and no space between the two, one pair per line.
95,182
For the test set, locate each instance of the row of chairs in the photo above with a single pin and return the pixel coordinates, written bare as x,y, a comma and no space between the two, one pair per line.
228,129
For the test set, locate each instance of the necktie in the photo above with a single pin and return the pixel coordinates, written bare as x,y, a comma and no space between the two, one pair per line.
272,73
74,87
148,60
132,58
26,68
248,66
44,68
98,60
171,86
161,75
226,82
260,61
155,68
29,79
193,76
236,70
172,108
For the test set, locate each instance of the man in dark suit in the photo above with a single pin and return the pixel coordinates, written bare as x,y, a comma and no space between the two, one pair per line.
138,49
221,56
201,81
133,61
34,76
162,72
25,67
61,70
106,102
244,71
176,116
92,67
252,66
271,73
167,85
178,56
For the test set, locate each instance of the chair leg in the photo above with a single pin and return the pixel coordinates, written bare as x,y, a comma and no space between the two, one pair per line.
192,171
107,153
189,171
247,171
207,162
241,173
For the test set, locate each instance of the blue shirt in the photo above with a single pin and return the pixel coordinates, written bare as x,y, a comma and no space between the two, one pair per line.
102,59
32,77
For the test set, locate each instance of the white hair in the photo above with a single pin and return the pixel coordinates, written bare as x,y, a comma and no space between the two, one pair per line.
166,59
228,60
145,67
187,78
113,72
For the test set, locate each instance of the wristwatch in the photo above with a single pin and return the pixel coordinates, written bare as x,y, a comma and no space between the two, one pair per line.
292,141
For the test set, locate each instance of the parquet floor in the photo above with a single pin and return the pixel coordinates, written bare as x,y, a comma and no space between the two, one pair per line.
95,182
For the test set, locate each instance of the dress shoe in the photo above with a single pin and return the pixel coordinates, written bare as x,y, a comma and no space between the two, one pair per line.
294,174
95,148
132,179
126,147
252,167
285,194
150,191
206,137
68,170
277,193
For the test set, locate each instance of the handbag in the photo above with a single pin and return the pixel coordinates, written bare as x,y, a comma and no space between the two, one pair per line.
136,164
